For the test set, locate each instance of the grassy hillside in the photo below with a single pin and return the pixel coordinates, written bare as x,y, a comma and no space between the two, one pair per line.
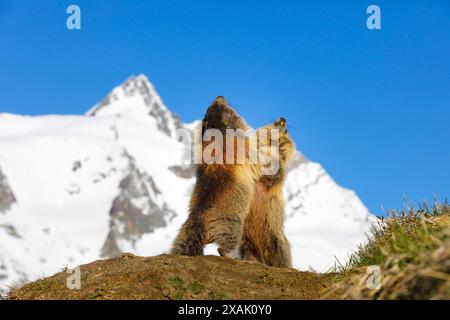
410,249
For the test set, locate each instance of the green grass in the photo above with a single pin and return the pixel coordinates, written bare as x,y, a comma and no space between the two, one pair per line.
213,295
267,278
98,293
178,285
407,233
176,282
196,287
412,248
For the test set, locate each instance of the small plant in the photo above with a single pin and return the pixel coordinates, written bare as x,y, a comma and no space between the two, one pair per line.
178,285
196,287
96,294
267,278
176,282
217,295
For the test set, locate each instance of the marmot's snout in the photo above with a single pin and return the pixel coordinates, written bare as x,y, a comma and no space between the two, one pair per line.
220,115
220,100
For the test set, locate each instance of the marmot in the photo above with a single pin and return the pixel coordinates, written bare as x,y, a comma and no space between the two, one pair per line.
264,239
220,201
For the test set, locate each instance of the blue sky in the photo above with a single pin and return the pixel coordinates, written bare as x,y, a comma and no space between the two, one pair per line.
372,106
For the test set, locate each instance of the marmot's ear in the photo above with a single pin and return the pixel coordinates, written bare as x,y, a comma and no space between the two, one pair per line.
281,122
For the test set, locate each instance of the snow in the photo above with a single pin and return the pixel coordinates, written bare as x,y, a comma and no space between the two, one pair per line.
64,172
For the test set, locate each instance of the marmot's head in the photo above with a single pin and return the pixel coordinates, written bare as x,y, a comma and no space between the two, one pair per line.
279,149
280,125
286,145
221,116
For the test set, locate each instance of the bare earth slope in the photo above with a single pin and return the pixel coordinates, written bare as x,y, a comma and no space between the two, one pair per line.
179,277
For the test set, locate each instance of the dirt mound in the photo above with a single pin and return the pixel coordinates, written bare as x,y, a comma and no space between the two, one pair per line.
178,277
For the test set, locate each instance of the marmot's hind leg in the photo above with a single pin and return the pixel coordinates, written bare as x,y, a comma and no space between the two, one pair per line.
227,233
279,254
247,250
189,241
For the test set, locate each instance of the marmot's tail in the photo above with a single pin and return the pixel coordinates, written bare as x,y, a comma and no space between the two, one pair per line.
189,241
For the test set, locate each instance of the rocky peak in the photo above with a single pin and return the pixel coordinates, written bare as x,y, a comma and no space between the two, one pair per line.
137,97
138,209
6,196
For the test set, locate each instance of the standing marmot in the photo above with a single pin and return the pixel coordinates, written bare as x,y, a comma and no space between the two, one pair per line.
220,201
264,239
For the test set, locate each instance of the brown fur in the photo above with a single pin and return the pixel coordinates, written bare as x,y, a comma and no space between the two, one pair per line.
264,239
220,201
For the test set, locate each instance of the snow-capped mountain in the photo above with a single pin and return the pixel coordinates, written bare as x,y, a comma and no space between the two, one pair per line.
78,188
